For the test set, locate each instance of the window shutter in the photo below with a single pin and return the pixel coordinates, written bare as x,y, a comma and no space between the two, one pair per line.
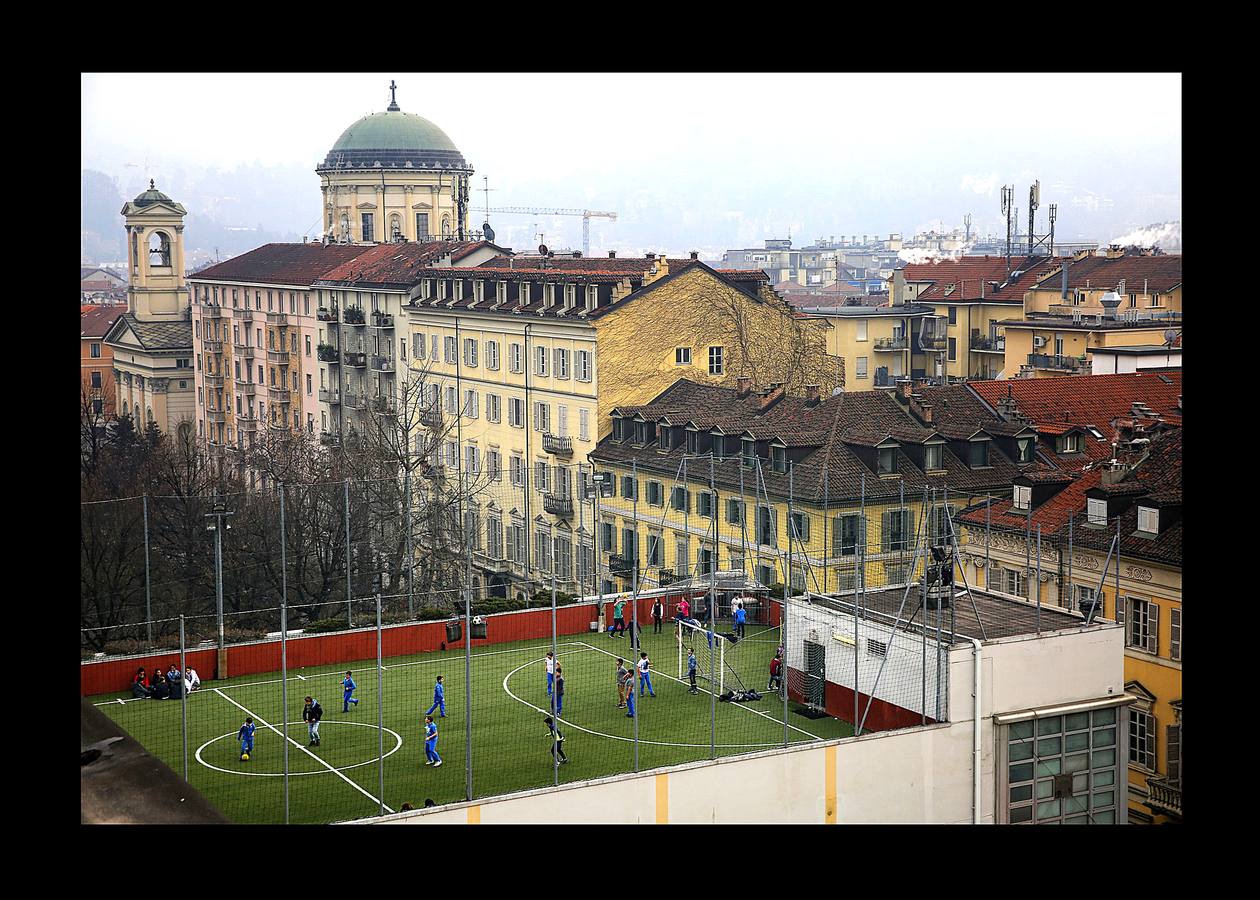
1152,633
1174,642
1121,603
1174,753
908,533
886,531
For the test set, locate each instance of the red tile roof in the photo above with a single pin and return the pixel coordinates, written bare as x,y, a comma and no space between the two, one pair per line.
1156,273
396,264
295,264
967,275
602,265
1087,399
95,321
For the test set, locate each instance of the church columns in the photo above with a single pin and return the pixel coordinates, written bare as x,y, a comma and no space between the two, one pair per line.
409,215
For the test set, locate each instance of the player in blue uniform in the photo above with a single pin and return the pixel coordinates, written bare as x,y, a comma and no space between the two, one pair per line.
246,736
741,616
348,685
430,742
691,670
439,698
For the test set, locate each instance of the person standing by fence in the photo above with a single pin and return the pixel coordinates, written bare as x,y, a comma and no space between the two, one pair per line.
559,695
741,616
691,670
658,612
551,671
645,676
622,672
557,740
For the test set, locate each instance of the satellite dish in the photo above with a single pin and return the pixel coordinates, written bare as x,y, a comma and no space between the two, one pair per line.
542,249
487,232
1169,336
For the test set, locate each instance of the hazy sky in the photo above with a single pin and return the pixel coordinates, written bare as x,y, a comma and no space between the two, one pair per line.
722,160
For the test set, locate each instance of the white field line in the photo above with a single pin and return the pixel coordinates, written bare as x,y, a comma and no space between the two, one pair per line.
756,712
420,662
323,763
616,737
298,677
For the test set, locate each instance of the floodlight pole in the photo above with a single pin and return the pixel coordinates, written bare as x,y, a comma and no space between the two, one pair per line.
183,707
148,607
219,512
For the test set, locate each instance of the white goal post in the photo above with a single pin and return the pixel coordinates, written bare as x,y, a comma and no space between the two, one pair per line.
710,649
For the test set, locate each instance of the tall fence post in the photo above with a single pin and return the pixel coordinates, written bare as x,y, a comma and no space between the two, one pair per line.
712,636
555,685
468,766
148,603
349,595
284,694
1037,578
788,593
634,604
380,711
411,558
183,707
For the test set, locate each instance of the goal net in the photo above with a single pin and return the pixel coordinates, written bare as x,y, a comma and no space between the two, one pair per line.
710,650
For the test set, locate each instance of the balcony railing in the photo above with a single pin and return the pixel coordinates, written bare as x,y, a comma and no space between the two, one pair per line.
212,312
431,415
277,318
1047,361
212,346
353,315
1164,796
245,388
327,353
278,425
884,380
217,416
621,566
324,314
382,320
558,504
329,438
561,446
245,351
214,380
383,363
245,315
356,401
247,415
247,423
988,344
892,343
384,405
358,360
329,395
279,394
278,356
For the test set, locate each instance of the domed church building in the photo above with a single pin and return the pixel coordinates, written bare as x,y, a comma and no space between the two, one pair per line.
394,176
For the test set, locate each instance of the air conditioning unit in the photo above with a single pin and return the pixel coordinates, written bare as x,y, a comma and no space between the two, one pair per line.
1039,342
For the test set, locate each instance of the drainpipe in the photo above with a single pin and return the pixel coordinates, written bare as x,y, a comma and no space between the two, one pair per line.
975,734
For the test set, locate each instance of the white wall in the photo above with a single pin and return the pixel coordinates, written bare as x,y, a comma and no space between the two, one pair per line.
1124,363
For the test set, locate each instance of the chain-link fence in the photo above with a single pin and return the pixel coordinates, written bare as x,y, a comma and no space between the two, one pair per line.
473,630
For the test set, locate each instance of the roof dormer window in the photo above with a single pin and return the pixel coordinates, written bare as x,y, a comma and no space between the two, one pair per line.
779,459
693,441
933,456
1070,442
1148,520
979,454
749,456
1023,497
662,439
887,460
1024,449
1096,511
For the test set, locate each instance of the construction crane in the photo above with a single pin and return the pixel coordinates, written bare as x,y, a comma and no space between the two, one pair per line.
586,214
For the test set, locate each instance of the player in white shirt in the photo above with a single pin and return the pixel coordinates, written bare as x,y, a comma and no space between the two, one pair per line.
645,677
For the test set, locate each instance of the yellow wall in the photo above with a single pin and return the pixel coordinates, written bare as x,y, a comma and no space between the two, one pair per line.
843,334
1050,299
637,342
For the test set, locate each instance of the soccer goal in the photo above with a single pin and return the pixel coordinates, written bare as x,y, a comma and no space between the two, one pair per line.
710,649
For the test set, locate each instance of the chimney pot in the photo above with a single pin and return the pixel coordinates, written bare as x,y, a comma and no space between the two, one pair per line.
612,254
812,392
695,255
649,256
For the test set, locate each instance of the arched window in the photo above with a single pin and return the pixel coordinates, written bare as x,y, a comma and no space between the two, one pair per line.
149,414
125,409
160,250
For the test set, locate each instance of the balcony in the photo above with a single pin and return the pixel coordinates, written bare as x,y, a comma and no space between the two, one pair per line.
244,351
558,504
382,320
356,401
1057,363
987,344
620,566
561,446
278,425
212,312
245,388
358,360
384,405
431,415
212,346
277,318
244,315
1164,796
492,564
247,423
329,395
327,353
281,357
382,363
248,415
326,315
353,315
892,343
279,394
329,439
214,380
216,416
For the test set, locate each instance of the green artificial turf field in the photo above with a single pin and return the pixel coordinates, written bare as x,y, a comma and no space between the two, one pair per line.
339,780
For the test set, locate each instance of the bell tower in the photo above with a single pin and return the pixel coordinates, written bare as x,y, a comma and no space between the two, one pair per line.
156,289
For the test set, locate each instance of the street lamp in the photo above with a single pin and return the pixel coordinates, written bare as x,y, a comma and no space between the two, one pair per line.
218,513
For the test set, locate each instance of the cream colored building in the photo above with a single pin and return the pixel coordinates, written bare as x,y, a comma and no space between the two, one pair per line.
152,341
394,176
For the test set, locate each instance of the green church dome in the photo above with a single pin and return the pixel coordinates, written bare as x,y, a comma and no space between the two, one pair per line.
393,140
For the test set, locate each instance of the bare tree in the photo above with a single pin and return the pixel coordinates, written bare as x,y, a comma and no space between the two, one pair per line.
96,414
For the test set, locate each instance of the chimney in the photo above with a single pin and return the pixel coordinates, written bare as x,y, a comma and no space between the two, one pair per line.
1063,295
649,256
773,393
813,394
695,255
899,287
743,385
905,388
612,254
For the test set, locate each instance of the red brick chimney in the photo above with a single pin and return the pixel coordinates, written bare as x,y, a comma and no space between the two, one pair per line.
772,394
743,385
904,388
813,393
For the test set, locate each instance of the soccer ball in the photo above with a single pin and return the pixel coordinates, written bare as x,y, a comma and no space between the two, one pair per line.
244,757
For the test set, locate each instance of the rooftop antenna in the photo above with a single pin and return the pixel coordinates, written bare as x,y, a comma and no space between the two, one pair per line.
1008,195
1034,201
393,101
